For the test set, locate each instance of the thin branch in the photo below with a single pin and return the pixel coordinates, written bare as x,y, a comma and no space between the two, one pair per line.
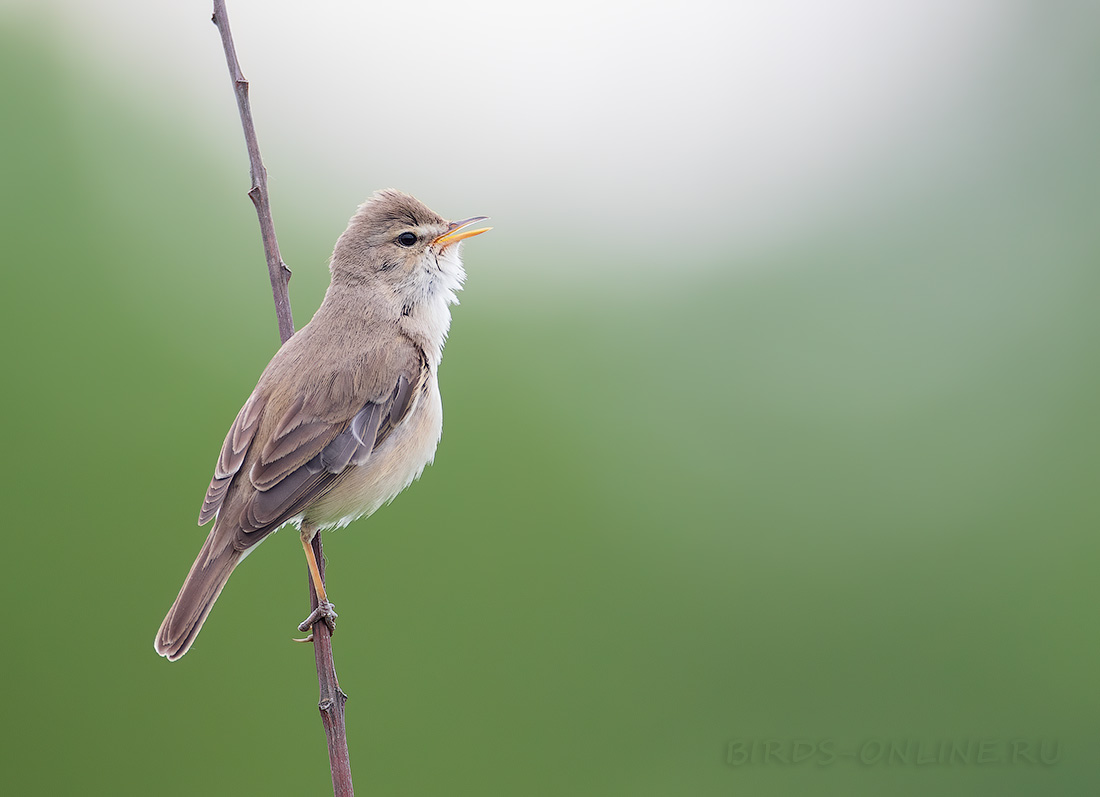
332,699
276,268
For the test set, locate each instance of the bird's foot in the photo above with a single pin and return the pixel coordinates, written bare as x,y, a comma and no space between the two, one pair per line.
326,612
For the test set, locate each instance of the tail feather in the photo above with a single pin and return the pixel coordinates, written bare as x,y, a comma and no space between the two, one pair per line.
212,568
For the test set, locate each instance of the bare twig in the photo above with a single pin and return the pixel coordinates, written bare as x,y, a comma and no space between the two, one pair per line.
332,699
276,268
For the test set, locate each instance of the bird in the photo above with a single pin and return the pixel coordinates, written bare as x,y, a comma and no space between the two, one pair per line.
346,415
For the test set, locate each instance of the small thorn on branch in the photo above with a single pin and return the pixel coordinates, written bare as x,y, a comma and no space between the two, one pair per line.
329,704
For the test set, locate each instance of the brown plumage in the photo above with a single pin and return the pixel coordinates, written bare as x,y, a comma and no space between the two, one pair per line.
347,413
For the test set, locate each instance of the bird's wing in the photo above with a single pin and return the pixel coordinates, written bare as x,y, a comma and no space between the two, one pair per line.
232,456
305,456
270,470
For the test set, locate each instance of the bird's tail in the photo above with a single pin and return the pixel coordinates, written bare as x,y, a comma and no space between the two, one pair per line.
215,563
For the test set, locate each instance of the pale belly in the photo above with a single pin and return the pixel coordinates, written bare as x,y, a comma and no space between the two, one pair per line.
392,467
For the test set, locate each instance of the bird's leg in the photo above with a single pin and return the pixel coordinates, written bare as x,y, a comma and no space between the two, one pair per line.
325,610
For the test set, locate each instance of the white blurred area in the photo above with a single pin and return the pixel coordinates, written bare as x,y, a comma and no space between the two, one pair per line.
642,131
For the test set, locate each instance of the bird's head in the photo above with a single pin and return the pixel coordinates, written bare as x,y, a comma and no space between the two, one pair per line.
397,240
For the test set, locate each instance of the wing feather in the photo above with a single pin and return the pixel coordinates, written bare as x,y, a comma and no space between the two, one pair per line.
234,449
397,407
306,460
280,457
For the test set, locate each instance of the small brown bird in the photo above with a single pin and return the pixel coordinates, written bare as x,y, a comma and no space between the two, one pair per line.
347,413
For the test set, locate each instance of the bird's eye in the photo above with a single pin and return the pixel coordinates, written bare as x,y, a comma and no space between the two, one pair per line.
406,239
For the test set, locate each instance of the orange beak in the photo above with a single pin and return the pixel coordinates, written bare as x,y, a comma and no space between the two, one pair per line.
457,231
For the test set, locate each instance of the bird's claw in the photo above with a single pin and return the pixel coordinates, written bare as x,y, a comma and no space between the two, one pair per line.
325,611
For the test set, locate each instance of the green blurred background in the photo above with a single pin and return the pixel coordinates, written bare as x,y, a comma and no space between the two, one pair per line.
699,488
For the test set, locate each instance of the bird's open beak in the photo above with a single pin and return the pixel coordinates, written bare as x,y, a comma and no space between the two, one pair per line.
457,231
